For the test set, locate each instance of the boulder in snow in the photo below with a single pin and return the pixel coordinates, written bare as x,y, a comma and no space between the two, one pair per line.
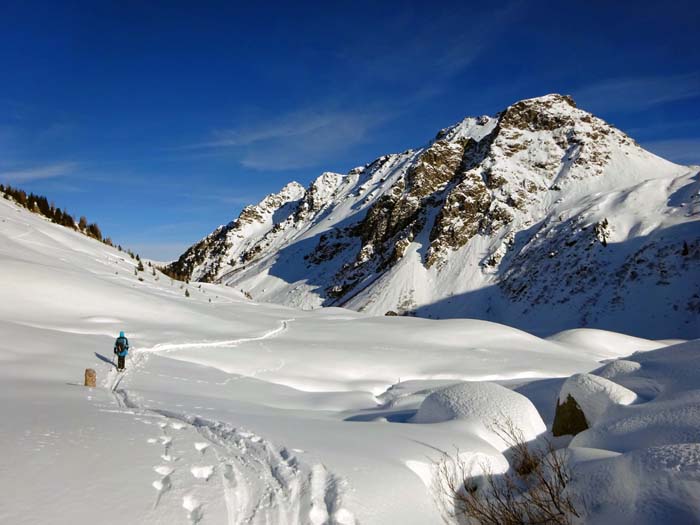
589,397
569,419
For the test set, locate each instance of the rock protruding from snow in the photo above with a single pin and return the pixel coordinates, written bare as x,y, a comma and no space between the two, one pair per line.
320,193
569,419
492,406
593,395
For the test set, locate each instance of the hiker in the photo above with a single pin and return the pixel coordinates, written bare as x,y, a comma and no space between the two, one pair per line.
121,348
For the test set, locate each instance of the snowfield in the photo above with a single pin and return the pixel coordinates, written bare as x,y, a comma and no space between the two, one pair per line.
237,412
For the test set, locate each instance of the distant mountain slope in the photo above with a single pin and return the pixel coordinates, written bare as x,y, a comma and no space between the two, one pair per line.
544,217
40,205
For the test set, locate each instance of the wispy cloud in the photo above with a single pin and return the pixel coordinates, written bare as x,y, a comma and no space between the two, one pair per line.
298,139
638,93
682,151
39,172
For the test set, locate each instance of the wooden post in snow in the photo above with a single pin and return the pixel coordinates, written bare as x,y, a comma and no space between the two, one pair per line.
90,377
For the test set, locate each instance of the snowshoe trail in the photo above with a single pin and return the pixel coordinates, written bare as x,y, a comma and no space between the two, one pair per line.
262,483
228,343
214,469
208,470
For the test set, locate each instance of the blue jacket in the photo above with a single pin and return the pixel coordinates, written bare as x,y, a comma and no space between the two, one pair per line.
125,350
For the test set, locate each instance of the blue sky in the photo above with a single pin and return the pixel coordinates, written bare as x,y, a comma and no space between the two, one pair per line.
161,120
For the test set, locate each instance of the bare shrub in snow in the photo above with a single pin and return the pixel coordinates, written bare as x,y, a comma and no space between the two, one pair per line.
533,491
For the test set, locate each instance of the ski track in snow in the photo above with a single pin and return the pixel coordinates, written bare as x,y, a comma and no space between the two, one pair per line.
260,482
231,343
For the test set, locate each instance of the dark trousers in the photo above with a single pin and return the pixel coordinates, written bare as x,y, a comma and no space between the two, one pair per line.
120,361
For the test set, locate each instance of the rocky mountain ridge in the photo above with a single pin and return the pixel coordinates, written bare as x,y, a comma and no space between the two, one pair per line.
543,207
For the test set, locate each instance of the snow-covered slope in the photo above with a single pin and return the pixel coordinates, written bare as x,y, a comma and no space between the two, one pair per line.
504,218
231,411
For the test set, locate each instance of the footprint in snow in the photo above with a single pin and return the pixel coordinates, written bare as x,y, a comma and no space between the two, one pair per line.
177,426
163,484
201,447
193,508
164,470
204,472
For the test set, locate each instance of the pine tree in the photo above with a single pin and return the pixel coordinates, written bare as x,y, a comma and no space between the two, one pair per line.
69,222
187,293
21,198
140,266
93,231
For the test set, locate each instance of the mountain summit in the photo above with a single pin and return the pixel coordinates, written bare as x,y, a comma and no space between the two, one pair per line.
543,217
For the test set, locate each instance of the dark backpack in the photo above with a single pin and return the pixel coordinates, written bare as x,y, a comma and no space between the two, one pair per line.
122,342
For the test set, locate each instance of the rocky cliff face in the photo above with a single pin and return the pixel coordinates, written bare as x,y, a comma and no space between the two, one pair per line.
542,206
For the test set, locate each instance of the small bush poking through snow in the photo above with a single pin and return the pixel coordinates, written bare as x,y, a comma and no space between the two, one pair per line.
533,491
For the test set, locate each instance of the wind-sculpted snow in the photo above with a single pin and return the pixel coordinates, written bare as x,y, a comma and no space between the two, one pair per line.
486,405
500,218
640,462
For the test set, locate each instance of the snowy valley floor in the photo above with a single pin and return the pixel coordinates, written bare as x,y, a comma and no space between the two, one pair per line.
236,412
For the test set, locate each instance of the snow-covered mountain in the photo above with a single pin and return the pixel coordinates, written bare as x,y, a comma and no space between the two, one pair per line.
542,208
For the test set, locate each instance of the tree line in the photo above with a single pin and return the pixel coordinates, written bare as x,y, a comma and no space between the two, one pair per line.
41,205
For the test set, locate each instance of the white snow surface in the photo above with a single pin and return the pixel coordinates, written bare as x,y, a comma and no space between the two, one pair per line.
233,411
